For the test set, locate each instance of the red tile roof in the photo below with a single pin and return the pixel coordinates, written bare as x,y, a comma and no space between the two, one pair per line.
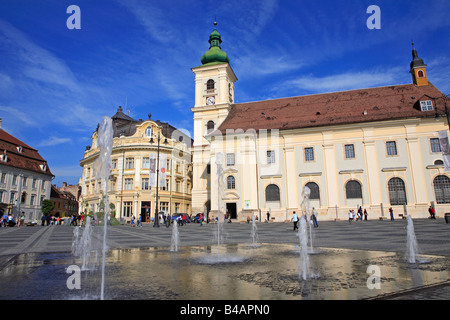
338,108
28,159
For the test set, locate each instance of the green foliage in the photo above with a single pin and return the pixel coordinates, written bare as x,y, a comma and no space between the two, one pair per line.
47,207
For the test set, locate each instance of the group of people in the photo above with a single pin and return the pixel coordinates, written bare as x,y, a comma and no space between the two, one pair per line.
73,220
8,220
359,216
139,222
313,219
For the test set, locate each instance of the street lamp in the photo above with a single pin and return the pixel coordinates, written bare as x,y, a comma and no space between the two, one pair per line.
156,223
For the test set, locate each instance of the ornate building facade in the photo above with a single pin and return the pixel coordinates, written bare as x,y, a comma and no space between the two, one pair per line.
25,178
134,155
376,148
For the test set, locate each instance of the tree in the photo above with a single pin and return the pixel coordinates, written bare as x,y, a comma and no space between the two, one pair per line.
47,207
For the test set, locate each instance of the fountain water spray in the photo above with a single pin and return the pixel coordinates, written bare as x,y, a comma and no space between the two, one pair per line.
304,271
412,249
254,232
220,188
305,213
175,237
85,246
102,168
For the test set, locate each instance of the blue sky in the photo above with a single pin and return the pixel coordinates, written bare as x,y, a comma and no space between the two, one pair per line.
56,84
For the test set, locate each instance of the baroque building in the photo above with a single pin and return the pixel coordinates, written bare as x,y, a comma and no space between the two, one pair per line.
132,182
25,178
376,148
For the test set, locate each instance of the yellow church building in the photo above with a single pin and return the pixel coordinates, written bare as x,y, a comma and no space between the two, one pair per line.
377,148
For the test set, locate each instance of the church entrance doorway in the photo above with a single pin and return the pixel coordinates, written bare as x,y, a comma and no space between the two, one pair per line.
232,210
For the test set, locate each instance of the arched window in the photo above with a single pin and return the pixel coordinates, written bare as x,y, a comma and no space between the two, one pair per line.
353,190
272,193
231,182
420,74
438,162
210,84
315,194
442,189
210,126
397,191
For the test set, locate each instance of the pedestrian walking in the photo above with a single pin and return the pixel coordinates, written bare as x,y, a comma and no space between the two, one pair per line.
360,213
295,220
21,220
201,219
432,212
365,215
132,220
391,212
5,220
314,217
350,216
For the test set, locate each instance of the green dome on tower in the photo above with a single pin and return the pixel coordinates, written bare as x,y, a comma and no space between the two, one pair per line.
215,54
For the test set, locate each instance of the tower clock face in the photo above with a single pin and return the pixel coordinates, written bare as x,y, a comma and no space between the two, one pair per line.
210,101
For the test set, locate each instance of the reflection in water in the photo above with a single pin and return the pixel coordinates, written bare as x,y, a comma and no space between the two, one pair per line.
267,272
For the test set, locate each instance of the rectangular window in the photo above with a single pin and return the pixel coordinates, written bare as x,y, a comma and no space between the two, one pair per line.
129,163
146,163
113,164
145,184
349,151
3,178
128,184
391,148
14,180
32,200
435,145
309,154
127,208
426,105
270,156
166,187
230,159
164,206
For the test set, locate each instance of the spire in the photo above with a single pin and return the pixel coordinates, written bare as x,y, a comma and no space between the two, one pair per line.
417,69
416,62
215,53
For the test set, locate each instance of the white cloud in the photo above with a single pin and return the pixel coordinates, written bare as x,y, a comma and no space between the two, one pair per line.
35,62
18,115
53,141
344,81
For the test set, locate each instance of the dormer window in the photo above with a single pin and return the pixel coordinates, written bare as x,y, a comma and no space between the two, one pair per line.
426,105
149,131
4,157
19,149
43,167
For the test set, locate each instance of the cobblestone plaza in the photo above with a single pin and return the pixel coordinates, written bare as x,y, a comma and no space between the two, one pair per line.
373,235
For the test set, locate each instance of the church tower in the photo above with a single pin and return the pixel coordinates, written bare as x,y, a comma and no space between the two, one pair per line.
214,95
417,69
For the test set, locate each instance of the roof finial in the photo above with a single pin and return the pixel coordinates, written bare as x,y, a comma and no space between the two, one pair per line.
215,22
